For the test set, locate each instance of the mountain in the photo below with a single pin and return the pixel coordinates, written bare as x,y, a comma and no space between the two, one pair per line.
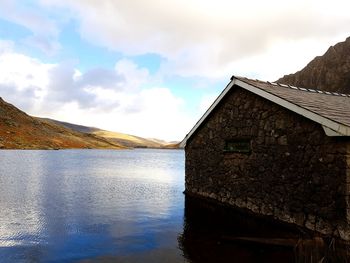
76,127
330,72
21,131
126,140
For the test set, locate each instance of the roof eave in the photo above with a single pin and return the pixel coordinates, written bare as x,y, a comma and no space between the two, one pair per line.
209,110
343,131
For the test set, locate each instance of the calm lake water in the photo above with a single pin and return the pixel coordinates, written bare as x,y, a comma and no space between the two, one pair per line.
70,205
118,206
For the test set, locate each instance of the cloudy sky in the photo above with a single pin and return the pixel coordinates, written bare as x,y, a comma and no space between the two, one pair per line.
151,68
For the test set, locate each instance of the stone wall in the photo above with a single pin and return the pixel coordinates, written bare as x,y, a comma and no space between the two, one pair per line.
294,172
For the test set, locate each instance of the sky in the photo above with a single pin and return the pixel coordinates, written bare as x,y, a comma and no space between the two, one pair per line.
151,68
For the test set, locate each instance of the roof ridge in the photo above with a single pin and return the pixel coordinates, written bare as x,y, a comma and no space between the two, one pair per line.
311,90
277,84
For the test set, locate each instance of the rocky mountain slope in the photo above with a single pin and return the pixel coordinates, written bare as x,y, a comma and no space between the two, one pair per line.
330,72
21,131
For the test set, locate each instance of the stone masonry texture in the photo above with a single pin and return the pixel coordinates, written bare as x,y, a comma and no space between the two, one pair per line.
294,172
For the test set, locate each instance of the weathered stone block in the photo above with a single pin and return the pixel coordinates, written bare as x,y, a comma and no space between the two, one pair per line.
323,227
310,222
344,231
282,140
266,209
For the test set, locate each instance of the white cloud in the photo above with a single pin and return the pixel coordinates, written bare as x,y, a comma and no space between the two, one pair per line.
27,16
283,57
23,71
23,80
6,46
133,75
159,115
44,29
109,99
205,37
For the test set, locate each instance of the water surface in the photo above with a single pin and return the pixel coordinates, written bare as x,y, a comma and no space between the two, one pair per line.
63,206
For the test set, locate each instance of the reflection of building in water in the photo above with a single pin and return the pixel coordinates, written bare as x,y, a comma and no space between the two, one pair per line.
218,233
276,150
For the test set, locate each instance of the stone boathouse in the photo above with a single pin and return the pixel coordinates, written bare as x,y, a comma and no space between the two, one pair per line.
276,150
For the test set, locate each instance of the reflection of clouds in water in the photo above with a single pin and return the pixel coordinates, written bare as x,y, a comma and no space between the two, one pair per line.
68,201
162,166
124,228
123,183
20,190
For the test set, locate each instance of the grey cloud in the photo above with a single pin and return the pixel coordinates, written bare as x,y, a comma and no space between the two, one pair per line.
23,99
64,88
103,77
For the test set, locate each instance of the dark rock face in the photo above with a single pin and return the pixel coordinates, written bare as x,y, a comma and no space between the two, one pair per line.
330,72
293,172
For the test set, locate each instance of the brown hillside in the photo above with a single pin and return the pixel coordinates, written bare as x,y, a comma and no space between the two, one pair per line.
21,131
330,72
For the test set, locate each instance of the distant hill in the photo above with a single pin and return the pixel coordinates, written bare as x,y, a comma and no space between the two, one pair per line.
21,131
76,127
330,72
126,140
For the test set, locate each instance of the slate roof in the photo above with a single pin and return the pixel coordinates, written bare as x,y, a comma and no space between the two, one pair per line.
331,105
330,109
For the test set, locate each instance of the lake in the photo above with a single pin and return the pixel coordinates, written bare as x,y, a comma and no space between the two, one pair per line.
69,205
117,206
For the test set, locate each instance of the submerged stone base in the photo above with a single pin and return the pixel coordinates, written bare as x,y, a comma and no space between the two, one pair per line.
217,232
308,221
